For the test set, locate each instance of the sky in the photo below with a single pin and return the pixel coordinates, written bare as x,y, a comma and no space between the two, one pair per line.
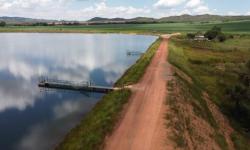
85,9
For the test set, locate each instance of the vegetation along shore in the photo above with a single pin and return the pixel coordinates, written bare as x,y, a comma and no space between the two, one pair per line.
90,133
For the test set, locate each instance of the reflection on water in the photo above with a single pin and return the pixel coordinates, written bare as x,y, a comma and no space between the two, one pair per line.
66,115
30,119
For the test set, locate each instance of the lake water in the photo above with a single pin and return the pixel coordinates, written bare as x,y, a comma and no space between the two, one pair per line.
31,119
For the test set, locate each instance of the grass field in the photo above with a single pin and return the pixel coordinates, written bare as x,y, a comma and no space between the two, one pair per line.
214,67
240,27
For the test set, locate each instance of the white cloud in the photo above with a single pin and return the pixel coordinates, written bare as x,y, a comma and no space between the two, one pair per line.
29,4
63,10
47,134
69,107
201,10
248,13
60,9
31,8
197,7
185,11
168,3
102,10
232,13
193,3
180,7
17,95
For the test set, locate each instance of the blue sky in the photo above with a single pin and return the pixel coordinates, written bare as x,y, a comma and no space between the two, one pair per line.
86,9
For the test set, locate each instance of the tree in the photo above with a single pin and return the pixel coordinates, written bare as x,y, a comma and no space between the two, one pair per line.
216,29
210,34
40,24
231,36
245,79
190,35
241,91
221,37
213,33
248,65
237,94
2,24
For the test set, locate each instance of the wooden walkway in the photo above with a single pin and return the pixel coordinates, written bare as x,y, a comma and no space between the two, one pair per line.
67,85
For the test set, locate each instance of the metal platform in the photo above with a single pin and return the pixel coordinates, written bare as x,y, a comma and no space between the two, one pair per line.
68,85
134,53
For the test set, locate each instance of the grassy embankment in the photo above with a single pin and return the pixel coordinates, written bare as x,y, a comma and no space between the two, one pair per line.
92,130
136,71
240,27
188,109
214,67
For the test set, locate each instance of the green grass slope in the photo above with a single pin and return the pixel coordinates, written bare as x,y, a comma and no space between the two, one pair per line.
214,67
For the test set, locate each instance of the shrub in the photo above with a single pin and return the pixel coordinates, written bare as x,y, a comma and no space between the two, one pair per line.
236,94
195,61
210,34
40,24
230,36
190,36
245,79
2,24
248,65
213,33
221,37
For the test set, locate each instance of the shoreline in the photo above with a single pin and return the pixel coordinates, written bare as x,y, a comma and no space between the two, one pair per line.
65,30
90,133
91,32
146,107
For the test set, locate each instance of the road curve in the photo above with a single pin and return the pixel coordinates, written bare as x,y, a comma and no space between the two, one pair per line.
142,126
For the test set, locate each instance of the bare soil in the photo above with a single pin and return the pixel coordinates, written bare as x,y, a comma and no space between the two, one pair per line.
188,129
143,125
160,117
223,122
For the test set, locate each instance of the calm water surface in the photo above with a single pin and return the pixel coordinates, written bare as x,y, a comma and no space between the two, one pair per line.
35,120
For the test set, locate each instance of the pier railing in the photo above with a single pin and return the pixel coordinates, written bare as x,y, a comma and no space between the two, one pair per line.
71,85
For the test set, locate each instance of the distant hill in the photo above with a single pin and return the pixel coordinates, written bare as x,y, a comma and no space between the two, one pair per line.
121,20
202,18
22,20
142,19
100,20
182,18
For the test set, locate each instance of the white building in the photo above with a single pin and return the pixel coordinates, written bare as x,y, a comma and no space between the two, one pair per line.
200,38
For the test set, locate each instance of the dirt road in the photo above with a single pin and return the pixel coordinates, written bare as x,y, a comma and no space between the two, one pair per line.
143,125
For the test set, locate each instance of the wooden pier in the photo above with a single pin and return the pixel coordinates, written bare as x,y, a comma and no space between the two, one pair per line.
66,85
134,53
